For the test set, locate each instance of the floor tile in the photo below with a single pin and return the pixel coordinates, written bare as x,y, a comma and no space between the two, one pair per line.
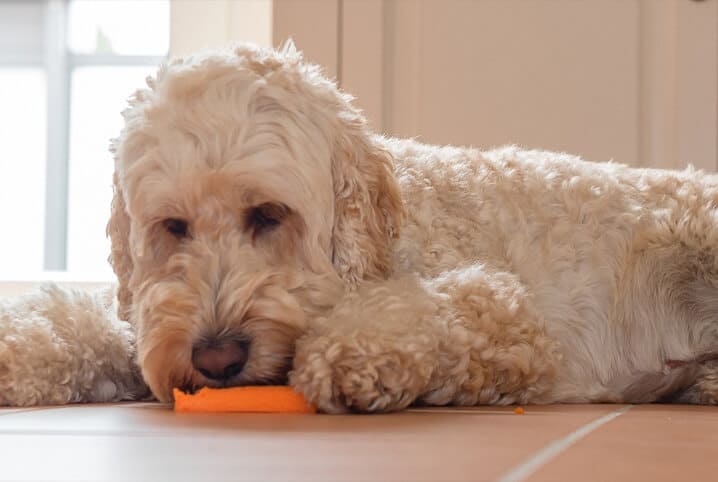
150,442
16,410
8,411
650,442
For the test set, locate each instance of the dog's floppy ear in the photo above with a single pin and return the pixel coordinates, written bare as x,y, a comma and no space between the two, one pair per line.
118,229
368,209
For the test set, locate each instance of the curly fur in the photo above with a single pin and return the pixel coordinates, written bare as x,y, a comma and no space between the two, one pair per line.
64,346
399,272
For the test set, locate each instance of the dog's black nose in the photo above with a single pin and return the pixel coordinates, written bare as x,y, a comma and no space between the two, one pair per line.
220,360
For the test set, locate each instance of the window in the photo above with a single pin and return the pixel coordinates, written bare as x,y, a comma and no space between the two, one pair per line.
66,70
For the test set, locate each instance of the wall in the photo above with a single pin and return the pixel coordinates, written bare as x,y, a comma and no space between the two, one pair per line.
203,24
630,80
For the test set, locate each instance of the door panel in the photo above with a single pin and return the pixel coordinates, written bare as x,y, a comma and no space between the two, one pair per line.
631,80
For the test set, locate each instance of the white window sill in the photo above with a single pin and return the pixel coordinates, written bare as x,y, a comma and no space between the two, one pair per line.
15,285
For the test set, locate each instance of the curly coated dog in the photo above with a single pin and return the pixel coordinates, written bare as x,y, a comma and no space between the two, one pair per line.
261,234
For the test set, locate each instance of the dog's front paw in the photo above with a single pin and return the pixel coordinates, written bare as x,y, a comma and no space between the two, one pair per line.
352,373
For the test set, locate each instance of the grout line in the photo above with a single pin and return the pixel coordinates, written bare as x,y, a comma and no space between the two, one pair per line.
460,411
554,449
134,433
6,411
13,411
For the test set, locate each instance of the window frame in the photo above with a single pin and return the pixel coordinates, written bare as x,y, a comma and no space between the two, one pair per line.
58,62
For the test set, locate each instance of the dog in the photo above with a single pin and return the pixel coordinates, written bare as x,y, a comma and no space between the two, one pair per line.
262,234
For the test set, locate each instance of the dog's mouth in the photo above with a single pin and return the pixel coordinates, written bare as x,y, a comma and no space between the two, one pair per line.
191,388
257,348
260,375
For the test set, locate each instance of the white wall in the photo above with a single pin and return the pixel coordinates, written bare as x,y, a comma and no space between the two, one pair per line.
203,24
630,80
10,289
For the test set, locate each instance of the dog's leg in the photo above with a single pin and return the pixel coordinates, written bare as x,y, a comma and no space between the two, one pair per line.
704,388
698,303
467,337
61,346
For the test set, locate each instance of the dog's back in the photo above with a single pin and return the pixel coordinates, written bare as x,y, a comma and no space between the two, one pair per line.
620,262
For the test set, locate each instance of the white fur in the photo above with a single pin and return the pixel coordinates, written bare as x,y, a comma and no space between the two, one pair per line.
399,272
63,346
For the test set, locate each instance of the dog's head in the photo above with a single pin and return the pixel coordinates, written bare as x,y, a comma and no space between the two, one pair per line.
248,195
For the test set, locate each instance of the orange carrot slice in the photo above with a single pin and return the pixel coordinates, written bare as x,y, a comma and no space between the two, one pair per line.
253,399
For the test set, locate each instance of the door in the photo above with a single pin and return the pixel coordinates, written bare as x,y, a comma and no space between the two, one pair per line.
631,80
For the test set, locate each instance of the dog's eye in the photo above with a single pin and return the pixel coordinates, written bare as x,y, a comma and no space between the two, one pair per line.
266,216
176,227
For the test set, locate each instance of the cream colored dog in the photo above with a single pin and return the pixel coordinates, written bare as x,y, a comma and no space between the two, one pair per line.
261,234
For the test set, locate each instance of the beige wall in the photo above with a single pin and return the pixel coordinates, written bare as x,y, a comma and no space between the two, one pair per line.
314,27
630,80
203,24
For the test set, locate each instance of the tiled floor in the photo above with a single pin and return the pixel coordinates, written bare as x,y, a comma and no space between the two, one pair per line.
150,442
